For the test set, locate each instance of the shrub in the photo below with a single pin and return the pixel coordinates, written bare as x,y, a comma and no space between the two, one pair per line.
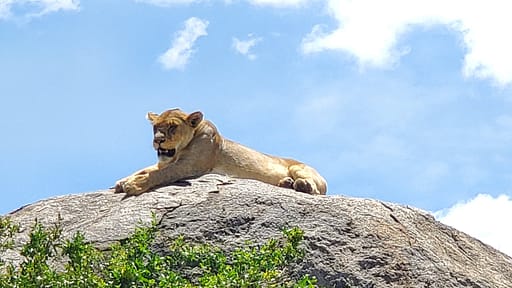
133,263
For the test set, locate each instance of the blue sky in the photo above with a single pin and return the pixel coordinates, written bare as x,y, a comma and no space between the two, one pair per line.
403,101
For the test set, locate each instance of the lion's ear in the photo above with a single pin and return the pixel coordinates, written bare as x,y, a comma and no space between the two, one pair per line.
151,117
195,118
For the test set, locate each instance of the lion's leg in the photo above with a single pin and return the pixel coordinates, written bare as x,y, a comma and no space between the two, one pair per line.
154,176
158,175
307,180
139,182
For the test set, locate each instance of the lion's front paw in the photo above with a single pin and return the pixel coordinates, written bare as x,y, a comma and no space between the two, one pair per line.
133,185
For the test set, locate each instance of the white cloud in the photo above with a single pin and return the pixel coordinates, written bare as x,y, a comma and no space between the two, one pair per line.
244,47
279,3
5,9
369,30
34,8
269,3
485,218
178,55
167,3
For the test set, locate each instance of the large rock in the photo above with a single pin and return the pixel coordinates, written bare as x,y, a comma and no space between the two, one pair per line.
350,242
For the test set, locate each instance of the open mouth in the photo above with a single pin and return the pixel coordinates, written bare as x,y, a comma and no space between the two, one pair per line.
166,153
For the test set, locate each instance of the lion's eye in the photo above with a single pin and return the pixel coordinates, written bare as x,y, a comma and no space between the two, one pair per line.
172,129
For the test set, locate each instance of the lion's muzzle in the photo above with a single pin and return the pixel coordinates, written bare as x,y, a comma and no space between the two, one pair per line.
166,153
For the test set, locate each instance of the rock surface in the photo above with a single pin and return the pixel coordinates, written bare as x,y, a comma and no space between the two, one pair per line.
349,242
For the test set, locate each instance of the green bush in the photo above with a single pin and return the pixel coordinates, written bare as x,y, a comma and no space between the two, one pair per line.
132,262
7,231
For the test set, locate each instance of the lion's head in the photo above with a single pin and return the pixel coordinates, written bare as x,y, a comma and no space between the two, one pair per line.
172,132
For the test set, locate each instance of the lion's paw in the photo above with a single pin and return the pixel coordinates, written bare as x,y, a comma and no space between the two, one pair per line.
286,182
133,185
305,185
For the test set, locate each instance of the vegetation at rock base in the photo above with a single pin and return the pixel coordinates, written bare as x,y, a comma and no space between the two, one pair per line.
133,263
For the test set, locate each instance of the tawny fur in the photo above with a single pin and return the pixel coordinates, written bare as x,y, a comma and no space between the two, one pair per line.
189,146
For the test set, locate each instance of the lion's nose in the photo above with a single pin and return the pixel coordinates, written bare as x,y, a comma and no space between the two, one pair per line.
159,138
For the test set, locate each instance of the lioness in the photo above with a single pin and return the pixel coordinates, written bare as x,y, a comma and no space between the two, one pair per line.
188,146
